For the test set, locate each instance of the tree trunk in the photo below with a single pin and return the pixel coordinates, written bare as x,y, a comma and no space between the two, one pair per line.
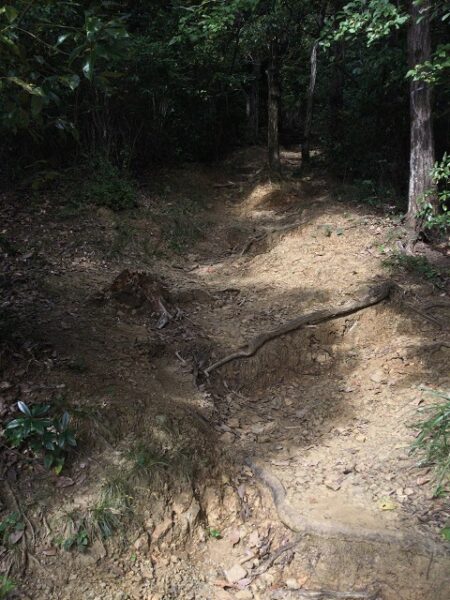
273,141
422,144
253,103
309,103
337,94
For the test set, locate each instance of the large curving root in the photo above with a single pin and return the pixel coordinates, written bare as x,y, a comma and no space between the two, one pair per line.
372,297
297,523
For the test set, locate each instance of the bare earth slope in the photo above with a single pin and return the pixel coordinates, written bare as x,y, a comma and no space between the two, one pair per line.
302,448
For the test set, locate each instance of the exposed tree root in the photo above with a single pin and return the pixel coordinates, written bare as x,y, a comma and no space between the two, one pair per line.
262,236
372,297
294,521
332,595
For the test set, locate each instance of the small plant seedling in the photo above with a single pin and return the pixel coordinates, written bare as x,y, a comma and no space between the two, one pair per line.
42,434
214,533
6,587
78,541
11,529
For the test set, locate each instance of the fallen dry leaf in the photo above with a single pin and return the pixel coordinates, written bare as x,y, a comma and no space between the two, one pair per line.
234,537
15,536
64,482
386,504
423,480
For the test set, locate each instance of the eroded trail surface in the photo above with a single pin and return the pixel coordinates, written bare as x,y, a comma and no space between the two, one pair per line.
309,490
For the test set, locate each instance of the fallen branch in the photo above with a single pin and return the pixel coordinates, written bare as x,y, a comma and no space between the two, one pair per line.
374,296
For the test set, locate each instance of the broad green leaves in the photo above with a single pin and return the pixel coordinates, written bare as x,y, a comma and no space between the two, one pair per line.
374,19
46,49
435,70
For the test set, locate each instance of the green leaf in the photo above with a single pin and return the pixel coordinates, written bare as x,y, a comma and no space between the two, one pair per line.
23,408
445,532
48,461
14,424
62,38
37,103
65,420
72,81
28,87
58,468
11,13
215,533
88,68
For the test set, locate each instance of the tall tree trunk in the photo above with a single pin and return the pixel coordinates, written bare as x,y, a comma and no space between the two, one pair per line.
253,102
337,93
309,103
274,94
422,144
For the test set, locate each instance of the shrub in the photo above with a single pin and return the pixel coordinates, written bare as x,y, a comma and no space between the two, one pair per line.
438,220
42,434
433,440
418,265
6,587
108,186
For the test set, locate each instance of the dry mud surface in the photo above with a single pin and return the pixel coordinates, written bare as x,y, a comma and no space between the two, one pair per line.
298,481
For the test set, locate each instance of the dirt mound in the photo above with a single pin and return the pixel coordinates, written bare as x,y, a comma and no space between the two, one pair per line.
137,289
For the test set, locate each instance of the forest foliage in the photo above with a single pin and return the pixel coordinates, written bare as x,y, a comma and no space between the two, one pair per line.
139,82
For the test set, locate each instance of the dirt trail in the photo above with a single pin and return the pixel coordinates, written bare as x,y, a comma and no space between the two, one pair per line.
324,411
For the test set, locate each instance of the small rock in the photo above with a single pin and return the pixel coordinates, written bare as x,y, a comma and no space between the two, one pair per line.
161,529
227,438
292,584
234,537
333,484
233,423
236,573
244,595
182,502
142,544
378,376
253,539
323,358
147,571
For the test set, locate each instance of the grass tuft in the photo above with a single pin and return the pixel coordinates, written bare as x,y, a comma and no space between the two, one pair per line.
433,440
417,265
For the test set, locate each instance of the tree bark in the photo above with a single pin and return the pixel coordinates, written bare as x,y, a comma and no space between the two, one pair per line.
422,143
309,103
337,93
253,102
274,94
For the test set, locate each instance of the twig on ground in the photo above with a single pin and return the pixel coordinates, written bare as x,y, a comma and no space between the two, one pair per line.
273,557
19,510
